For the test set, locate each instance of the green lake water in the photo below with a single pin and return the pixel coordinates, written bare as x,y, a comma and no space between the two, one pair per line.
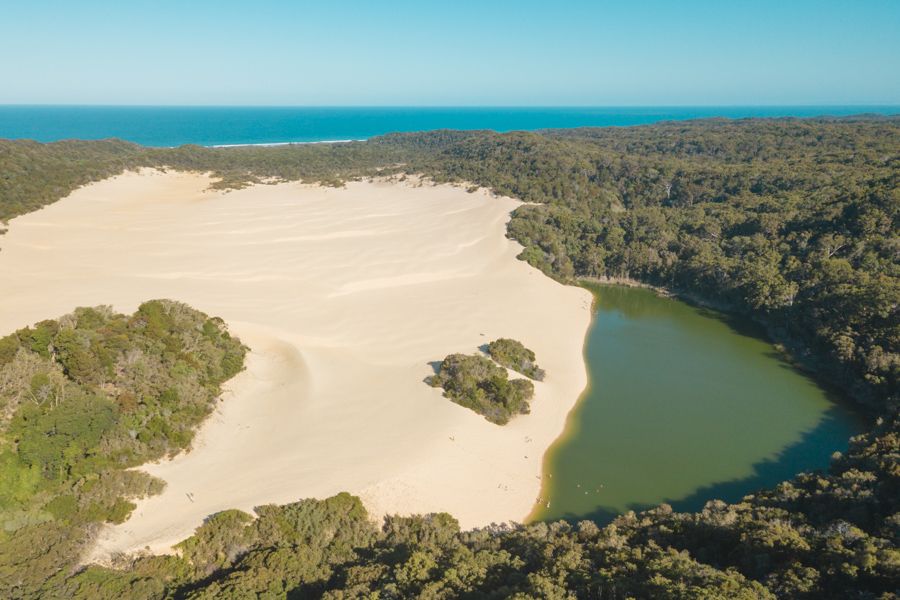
683,406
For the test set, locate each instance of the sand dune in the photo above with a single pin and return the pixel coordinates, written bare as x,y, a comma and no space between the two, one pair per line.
345,296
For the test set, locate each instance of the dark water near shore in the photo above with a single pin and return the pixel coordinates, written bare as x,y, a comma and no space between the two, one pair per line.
683,406
222,125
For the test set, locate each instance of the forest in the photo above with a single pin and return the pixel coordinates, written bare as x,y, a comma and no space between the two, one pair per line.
792,222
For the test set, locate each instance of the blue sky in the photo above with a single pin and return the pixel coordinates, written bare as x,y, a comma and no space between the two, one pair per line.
640,52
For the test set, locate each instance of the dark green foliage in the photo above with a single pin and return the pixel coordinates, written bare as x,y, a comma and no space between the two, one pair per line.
218,541
8,348
330,549
82,399
58,437
477,383
513,355
36,174
40,337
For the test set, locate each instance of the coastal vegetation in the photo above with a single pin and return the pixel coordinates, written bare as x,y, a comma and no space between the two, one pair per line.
477,383
790,222
329,549
513,355
82,399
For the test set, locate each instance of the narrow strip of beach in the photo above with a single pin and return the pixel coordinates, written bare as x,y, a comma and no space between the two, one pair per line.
276,144
344,296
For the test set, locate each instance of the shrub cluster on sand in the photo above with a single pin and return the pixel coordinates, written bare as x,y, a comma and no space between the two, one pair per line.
478,383
512,354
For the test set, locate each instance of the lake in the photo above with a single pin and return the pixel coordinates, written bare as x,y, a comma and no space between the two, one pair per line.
683,405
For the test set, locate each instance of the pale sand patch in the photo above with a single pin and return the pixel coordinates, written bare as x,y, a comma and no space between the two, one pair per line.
345,296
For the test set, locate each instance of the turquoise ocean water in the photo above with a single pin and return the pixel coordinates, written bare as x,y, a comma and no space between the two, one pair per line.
208,126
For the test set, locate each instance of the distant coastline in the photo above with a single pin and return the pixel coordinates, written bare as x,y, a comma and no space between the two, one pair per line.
218,126
274,144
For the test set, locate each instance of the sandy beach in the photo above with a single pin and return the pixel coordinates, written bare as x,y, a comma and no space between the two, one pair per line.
345,297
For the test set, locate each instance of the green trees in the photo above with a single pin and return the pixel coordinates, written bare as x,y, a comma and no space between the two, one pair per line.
513,355
477,383
61,438
330,549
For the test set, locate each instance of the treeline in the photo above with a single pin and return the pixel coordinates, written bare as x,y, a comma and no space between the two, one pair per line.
793,222
82,399
33,175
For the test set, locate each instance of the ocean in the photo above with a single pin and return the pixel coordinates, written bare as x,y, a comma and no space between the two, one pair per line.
211,126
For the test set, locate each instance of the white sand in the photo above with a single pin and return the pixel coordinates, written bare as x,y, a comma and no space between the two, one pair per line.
344,296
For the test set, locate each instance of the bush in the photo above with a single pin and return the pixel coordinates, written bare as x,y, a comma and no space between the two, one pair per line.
478,383
513,355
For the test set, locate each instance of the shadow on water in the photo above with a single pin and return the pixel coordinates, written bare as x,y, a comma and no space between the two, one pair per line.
766,474
747,327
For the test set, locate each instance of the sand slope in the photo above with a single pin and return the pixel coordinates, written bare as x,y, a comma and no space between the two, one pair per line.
345,296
